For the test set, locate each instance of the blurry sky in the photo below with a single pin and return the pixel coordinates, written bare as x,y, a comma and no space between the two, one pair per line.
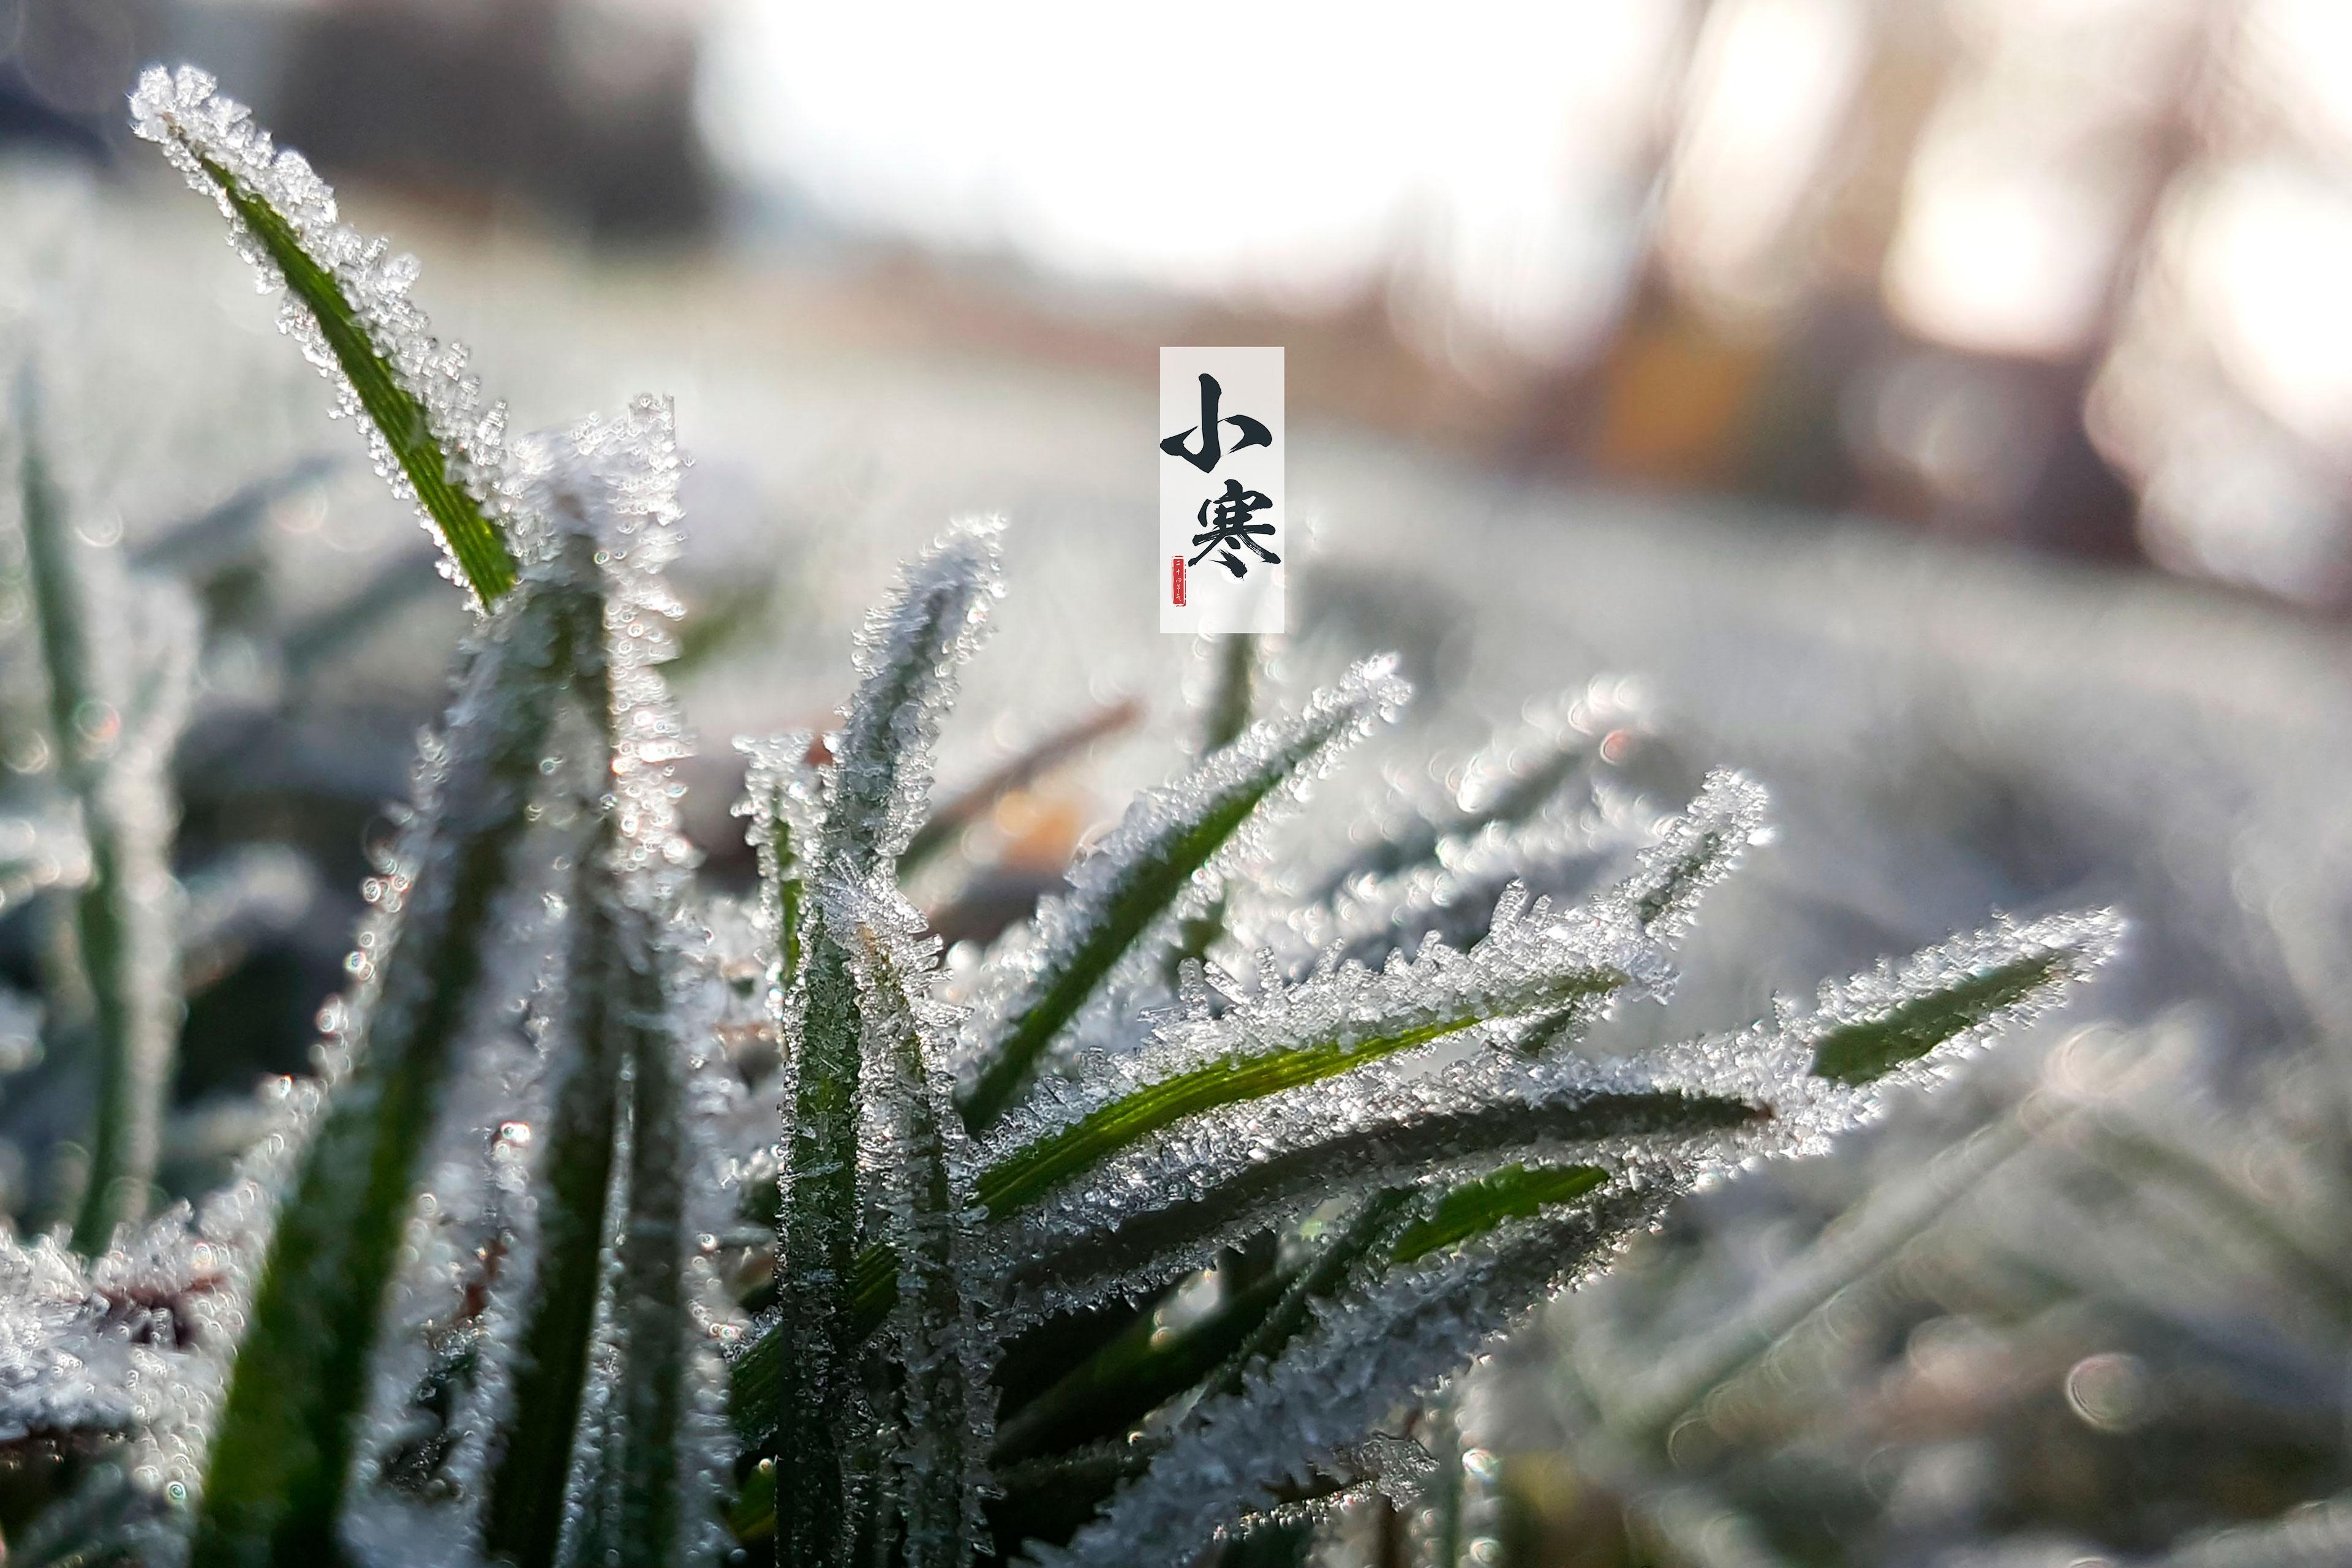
2066,273
1292,150
2151,195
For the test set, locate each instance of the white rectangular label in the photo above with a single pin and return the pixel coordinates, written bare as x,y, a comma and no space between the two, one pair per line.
1222,502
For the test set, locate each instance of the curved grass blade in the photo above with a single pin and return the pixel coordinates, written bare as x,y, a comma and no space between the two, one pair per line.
1288,1036
348,303
281,1452
1473,1208
1137,1244
1870,1027
114,766
1172,841
907,656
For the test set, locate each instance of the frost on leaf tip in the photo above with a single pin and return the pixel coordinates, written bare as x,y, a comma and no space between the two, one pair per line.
1946,998
907,657
346,302
1694,851
602,496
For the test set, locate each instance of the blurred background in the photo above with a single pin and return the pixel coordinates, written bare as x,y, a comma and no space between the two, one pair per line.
1942,407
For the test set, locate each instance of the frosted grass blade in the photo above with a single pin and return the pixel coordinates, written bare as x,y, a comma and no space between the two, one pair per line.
651,1486
347,305
907,658
1371,1350
1691,854
1473,1208
1285,1037
1162,859
1145,1366
943,1404
113,761
1292,1037
523,1516
1396,1226
1160,1234
784,797
1694,851
1874,1026
281,1457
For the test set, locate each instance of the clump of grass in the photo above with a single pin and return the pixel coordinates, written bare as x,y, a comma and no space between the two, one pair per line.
1068,1259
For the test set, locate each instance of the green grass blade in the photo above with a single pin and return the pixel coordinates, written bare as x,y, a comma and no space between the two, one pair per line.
523,1518
281,1452
784,801
1036,1168
112,761
417,400
1473,1208
1368,1233
1130,886
1858,1053
943,1416
1143,1367
1872,1025
908,658
1384,1150
652,1312
1330,1024
1530,963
